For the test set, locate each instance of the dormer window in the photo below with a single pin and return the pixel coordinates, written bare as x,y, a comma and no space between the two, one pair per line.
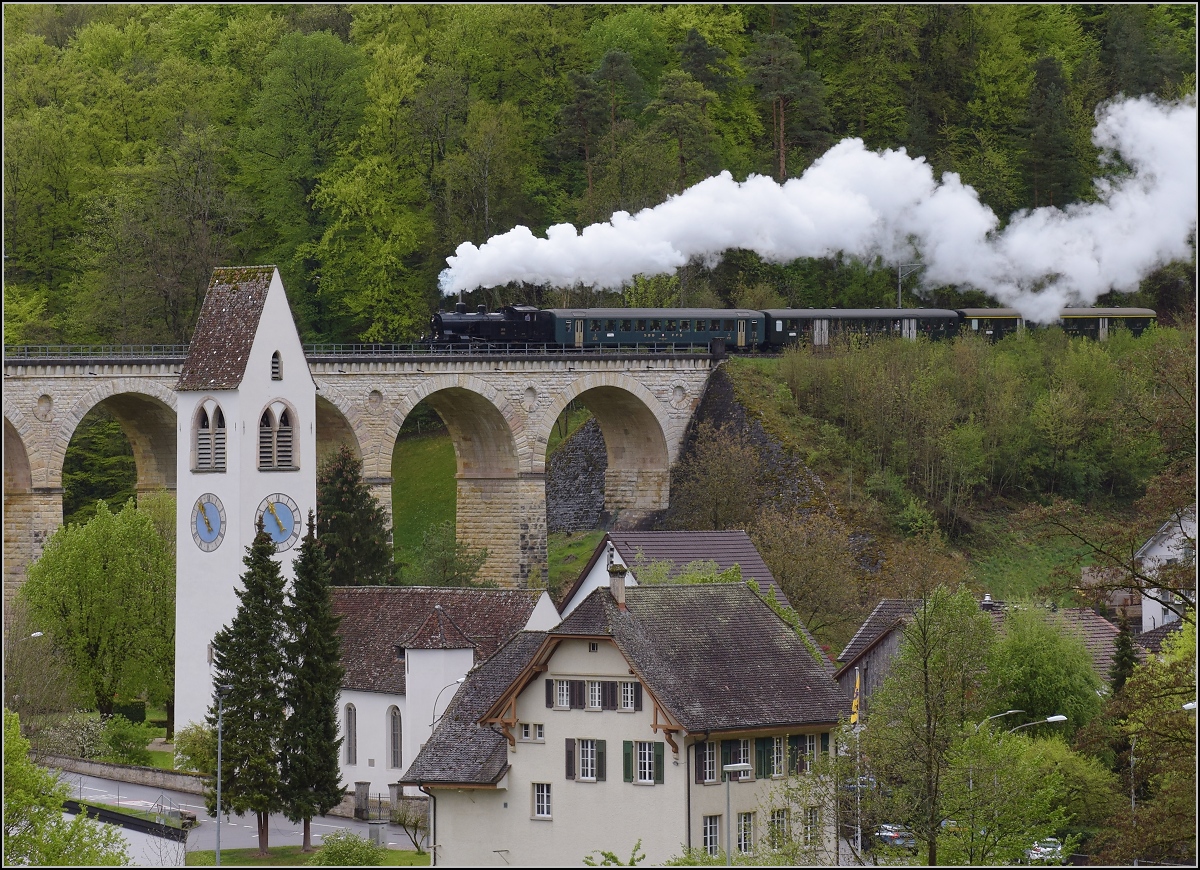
210,438
275,441
276,367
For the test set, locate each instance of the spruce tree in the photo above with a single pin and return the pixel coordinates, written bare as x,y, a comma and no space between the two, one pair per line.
351,525
248,657
1124,659
309,764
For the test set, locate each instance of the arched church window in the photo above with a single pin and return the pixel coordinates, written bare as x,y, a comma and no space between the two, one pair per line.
276,441
395,734
351,735
276,367
283,441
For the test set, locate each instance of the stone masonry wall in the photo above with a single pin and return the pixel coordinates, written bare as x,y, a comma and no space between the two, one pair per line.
575,481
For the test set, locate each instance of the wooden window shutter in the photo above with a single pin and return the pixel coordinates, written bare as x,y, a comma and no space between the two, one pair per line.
700,750
726,756
793,753
570,758
637,696
760,757
825,743
578,694
627,753
608,695
659,762
600,760
549,693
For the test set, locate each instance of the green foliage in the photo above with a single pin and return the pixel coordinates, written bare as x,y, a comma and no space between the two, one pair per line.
1038,665
444,560
35,832
310,771
125,742
99,465
1124,658
610,859
352,525
422,463
700,571
78,735
196,748
248,657
347,849
104,593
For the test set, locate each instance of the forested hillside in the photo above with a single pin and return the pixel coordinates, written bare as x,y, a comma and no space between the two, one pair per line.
357,146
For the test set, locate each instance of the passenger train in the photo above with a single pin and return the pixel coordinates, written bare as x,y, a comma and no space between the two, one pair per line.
766,331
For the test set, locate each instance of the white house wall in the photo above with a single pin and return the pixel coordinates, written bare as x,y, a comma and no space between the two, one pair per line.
1168,545
596,578
374,740
430,676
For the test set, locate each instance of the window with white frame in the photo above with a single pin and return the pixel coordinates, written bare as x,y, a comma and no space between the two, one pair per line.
541,800
562,696
587,760
778,756
526,731
745,833
743,757
712,834
807,751
539,732
532,732
706,761
595,695
780,827
811,833
627,697
645,761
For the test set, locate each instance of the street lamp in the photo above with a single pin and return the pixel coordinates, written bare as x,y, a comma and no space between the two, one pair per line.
1190,705
997,716
1057,717
438,698
741,767
222,691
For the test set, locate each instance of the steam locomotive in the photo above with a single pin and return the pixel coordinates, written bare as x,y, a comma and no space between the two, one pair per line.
767,331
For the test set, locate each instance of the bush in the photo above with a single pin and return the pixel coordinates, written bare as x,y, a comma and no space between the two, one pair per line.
196,749
126,741
134,711
345,849
78,735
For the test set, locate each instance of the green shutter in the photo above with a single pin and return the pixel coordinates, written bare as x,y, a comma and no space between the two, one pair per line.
659,762
726,756
600,771
627,752
761,745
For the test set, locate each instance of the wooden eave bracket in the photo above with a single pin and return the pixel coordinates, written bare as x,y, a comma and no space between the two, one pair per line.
507,720
661,722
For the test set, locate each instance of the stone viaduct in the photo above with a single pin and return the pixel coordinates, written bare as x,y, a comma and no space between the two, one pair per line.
499,410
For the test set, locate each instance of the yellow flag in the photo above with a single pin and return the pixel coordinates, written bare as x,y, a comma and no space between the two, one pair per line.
854,703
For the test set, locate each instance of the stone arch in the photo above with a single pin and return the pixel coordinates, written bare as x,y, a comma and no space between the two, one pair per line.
20,505
334,428
486,430
145,411
635,428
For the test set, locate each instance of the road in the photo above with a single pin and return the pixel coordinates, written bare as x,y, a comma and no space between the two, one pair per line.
237,832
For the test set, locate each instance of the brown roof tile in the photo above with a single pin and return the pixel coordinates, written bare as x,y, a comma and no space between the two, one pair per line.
1099,636
220,347
378,619
1152,640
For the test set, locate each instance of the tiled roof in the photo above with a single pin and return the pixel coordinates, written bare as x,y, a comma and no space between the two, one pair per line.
1152,640
220,346
1099,636
726,548
378,619
882,618
718,658
461,750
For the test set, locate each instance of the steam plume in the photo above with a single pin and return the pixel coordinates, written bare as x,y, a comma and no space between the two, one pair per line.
867,204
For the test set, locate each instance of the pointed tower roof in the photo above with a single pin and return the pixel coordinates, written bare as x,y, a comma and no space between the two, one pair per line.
438,631
220,347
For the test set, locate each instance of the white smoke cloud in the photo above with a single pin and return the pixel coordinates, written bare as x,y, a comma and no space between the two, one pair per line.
886,204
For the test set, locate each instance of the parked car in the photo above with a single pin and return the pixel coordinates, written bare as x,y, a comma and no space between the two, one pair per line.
1048,851
896,835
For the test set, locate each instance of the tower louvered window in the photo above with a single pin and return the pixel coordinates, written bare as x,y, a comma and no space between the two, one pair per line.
210,441
283,442
266,441
276,367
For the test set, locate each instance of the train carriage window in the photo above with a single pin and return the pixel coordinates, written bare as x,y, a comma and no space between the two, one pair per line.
595,326
626,325
610,325
729,325
685,325
670,326
779,326
655,324
641,324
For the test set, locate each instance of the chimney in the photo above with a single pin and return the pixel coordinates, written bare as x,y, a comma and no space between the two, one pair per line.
616,579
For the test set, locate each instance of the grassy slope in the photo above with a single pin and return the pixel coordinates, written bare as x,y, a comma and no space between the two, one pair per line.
1005,560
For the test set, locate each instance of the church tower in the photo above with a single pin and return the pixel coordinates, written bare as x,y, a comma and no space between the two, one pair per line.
247,450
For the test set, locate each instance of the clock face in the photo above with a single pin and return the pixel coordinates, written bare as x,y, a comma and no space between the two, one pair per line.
281,519
208,522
